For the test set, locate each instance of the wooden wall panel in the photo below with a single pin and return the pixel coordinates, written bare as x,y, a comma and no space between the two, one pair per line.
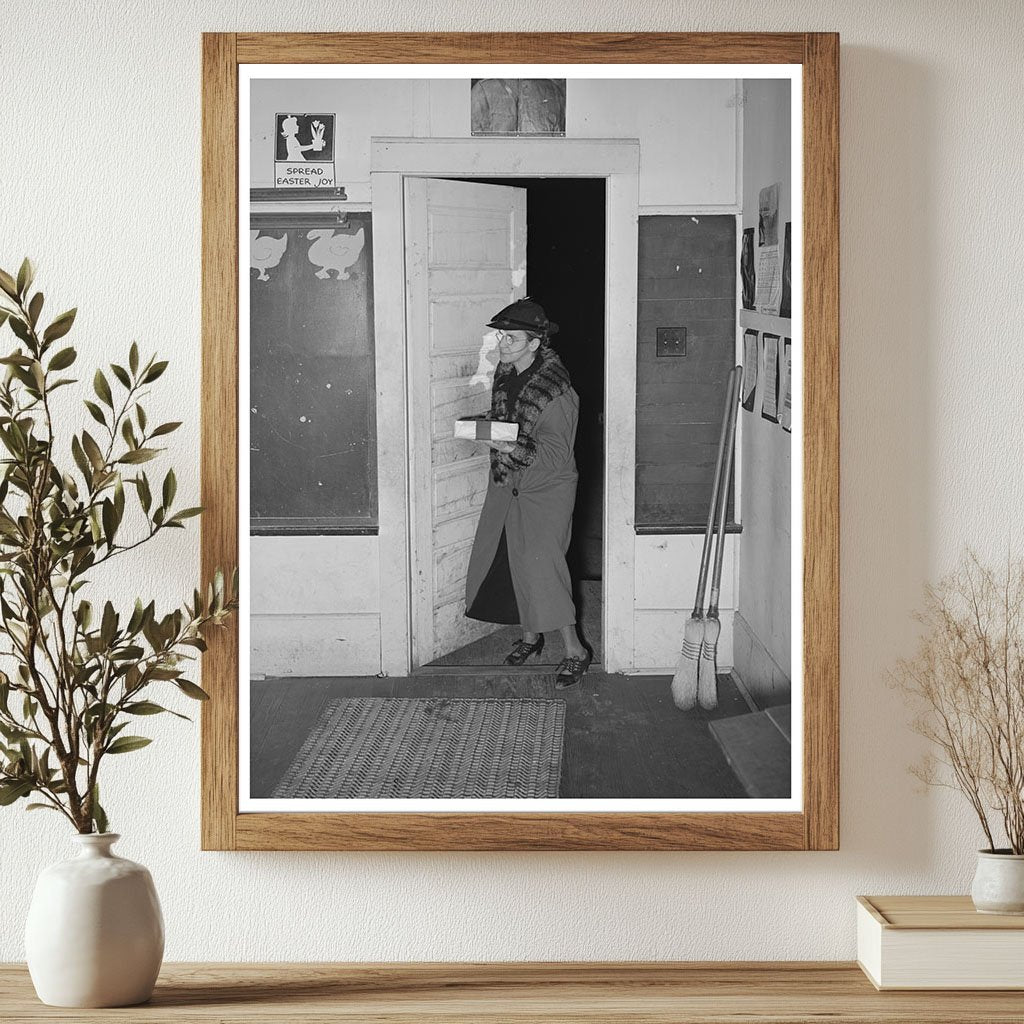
315,645
658,635
314,575
667,566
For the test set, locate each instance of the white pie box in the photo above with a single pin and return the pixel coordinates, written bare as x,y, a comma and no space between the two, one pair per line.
486,430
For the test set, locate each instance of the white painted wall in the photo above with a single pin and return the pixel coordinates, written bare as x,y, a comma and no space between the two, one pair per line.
764,620
314,606
665,575
687,129
103,190
688,132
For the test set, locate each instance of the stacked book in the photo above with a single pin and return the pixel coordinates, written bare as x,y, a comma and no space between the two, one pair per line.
938,942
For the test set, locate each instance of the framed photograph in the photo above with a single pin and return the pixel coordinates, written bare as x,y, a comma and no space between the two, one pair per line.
517,106
510,578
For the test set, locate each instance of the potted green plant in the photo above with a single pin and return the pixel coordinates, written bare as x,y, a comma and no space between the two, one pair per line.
79,673
967,681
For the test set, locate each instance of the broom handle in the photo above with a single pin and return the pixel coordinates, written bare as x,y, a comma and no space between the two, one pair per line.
716,580
702,578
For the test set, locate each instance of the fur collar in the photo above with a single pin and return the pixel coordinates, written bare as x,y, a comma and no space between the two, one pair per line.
546,382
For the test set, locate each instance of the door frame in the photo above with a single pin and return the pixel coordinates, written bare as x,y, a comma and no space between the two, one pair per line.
618,162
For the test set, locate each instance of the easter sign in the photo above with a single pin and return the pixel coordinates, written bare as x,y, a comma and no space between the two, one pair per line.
304,151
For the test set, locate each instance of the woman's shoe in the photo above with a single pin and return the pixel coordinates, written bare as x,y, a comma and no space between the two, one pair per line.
572,670
524,649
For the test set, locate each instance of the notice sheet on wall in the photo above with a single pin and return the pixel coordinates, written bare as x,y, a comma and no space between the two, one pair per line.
769,270
786,410
787,283
749,369
770,392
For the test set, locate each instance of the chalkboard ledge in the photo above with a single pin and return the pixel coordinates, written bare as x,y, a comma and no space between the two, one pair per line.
646,529
313,530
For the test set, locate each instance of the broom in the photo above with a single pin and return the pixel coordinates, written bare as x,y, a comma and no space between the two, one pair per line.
707,665
685,681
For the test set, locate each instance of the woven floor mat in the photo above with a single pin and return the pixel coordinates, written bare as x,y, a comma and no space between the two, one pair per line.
380,747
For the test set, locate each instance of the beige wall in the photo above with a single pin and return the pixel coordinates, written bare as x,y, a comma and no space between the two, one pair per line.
931,421
764,619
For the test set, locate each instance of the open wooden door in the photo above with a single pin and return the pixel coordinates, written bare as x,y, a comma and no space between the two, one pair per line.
465,246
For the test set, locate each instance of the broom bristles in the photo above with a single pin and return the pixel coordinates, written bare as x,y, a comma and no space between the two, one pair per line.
707,666
684,682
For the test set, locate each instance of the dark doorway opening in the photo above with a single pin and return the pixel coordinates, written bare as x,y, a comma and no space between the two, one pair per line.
565,273
565,243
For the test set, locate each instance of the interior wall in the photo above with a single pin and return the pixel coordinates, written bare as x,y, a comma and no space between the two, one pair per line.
931,423
764,617
687,130
315,606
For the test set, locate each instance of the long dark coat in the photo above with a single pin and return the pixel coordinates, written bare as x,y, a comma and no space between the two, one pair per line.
534,508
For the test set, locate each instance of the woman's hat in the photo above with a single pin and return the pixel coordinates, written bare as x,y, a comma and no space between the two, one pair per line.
524,315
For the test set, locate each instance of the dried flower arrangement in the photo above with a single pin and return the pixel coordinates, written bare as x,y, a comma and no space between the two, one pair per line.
967,679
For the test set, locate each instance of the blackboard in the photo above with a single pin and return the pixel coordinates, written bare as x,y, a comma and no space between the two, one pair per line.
312,415
687,279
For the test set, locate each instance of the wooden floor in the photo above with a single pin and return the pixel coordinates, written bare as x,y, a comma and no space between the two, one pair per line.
624,738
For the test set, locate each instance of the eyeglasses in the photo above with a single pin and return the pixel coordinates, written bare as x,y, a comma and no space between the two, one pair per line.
508,336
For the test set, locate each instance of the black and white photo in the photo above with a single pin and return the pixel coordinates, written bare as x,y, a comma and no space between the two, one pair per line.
490,449
517,106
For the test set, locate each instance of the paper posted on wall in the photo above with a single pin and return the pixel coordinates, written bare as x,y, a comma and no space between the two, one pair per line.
770,391
750,361
769,271
786,410
785,308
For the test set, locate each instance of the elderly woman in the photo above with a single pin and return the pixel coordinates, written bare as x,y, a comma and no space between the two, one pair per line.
517,570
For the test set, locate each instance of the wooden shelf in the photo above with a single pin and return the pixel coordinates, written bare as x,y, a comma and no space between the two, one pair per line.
658,993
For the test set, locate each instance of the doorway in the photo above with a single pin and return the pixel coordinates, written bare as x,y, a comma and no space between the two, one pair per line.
565,247
394,163
565,268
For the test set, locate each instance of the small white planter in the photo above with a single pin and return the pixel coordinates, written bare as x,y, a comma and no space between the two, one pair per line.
999,883
95,933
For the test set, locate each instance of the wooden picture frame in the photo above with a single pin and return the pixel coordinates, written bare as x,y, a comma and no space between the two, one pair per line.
816,826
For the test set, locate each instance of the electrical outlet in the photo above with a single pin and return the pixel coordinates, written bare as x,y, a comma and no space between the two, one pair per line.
671,341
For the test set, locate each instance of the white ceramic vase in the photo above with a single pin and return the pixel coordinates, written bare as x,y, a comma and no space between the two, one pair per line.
95,934
999,883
